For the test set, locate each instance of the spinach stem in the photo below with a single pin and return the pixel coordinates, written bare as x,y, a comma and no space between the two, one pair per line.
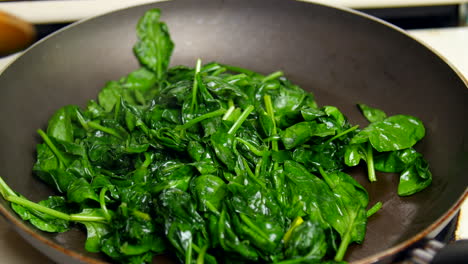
222,218
195,248
81,119
271,114
342,133
370,163
35,206
258,168
188,253
197,119
52,147
104,129
148,160
241,120
5,190
219,71
211,207
141,215
10,196
228,112
250,146
231,103
87,218
239,69
202,87
170,236
235,78
346,239
297,222
272,138
250,173
201,255
374,209
193,105
102,202
252,226
325,177
272,76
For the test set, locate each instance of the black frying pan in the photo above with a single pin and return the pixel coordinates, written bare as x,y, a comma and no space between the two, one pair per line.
344,57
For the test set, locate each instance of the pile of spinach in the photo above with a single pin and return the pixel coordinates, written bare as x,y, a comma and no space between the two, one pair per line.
214,164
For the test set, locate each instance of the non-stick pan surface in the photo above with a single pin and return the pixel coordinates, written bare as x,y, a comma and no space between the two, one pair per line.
342,56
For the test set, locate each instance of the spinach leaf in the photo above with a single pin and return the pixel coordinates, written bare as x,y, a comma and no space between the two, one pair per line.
60,125
348,216
354,153
413,168
300,133
395,161
414,178
210,192
229,240
307,243
110,95
80,190
154,46
95,234
141,80
43,221
372,114
389,134
393,133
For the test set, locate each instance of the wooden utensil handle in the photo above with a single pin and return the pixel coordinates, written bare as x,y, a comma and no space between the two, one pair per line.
15,34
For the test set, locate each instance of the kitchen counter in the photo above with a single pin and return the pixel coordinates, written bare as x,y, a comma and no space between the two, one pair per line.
451,43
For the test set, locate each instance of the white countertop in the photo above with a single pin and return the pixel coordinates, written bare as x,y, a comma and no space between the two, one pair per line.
451,43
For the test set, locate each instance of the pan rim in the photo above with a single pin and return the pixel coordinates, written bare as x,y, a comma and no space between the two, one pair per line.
389,252
426,233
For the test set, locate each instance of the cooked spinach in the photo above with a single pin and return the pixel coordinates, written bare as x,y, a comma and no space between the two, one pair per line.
387,145
214,164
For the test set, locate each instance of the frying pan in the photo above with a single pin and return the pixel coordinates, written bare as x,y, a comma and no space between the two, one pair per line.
342,56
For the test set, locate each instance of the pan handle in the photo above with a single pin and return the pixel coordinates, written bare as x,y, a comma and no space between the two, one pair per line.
435,252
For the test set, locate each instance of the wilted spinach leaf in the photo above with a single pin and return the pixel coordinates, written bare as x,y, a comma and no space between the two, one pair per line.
154,46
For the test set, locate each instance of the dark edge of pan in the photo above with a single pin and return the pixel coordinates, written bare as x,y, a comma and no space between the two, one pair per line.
27,233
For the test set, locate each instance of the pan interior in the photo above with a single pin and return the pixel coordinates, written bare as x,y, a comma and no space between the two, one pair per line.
343,58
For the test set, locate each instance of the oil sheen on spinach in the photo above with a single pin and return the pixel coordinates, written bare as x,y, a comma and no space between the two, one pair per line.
214,164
